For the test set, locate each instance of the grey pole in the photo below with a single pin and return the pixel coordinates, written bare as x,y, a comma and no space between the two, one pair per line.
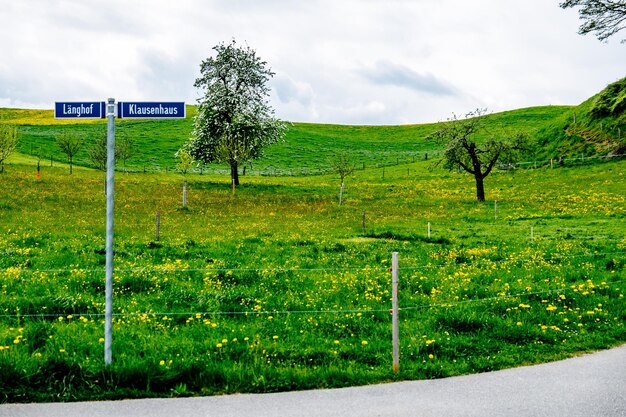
108,309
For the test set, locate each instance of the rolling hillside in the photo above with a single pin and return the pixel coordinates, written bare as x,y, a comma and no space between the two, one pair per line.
596,127
307,147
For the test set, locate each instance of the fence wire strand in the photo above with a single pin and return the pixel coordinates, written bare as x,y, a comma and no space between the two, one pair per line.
296,269
330,311
316,312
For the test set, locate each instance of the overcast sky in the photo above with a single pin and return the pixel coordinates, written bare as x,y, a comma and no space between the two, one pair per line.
336,61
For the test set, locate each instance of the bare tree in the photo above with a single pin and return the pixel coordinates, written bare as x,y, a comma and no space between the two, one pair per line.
98,154
69,143
124,148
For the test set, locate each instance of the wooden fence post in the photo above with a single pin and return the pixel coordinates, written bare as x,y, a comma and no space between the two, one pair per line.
394,312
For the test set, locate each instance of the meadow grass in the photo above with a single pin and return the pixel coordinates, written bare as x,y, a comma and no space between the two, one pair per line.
279,288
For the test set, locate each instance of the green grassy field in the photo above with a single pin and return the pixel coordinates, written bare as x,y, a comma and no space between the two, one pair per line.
280,288
277,287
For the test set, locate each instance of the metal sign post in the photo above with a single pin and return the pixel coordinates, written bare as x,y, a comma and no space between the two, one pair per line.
108,309
98,109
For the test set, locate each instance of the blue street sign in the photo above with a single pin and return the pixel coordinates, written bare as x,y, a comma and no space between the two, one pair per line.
146,109
79,110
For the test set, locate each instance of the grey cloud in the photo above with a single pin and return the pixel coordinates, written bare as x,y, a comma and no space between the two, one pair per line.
388,73
289,90
29,87
165,76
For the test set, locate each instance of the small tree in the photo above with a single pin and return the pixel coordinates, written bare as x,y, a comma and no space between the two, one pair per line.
234,121
185,161
463,151
8,143
343,166
98,154
39,164
69,143
604,17
124,148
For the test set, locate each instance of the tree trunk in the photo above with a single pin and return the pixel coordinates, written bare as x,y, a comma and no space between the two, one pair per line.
234,174
480,187
185,192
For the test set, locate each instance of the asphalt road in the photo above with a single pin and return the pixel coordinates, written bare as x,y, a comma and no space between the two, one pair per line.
587,386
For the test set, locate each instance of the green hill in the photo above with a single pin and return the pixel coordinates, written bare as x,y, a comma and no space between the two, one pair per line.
597,127
307,147
594,128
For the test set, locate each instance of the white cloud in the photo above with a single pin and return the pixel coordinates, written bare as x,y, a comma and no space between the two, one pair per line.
349,61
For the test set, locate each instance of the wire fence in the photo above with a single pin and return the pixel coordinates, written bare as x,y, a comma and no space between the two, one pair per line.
277,171
448,303
324,169
298,269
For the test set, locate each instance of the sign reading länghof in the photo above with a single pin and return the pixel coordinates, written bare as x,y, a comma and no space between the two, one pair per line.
79,109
